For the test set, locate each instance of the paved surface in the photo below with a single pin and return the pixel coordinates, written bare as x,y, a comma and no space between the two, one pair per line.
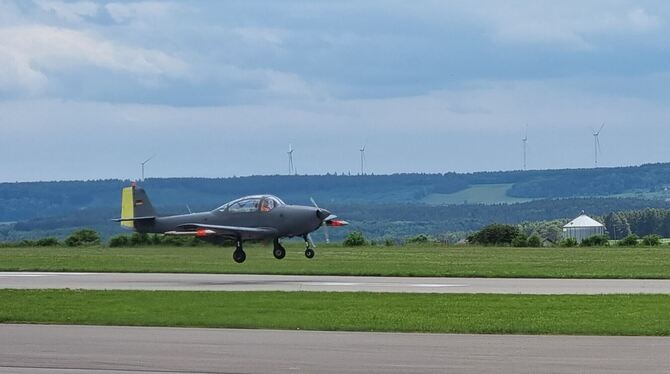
93,349
231,282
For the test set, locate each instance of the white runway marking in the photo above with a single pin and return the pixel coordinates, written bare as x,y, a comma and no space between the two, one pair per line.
439,285
331,284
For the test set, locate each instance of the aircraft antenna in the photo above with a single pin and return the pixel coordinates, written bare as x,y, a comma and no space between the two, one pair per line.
144,163
596,143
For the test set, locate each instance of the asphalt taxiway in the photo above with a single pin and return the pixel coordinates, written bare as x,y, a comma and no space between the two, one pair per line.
236,282
52,349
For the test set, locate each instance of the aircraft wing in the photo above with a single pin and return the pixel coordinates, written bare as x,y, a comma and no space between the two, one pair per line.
201,230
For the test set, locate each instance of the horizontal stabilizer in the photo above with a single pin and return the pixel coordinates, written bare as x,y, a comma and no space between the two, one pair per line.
134,219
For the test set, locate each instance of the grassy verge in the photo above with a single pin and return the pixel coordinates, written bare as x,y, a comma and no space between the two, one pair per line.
417,260
488,314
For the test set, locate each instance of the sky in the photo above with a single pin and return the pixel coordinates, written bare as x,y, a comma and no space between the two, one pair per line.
88,90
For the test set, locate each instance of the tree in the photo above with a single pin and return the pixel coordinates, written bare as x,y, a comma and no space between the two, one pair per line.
617,225
354,239
83,237
495,234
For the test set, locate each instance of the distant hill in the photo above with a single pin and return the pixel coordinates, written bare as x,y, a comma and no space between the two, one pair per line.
417,202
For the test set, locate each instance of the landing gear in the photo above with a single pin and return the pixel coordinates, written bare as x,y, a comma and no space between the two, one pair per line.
309,250
279,252
239,256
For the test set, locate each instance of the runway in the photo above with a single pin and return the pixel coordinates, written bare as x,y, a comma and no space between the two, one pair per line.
43,349
234,282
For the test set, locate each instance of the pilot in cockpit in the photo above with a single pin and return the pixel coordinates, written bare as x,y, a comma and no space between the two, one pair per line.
265,205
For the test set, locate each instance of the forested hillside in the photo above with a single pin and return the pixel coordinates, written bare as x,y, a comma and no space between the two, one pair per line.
380,205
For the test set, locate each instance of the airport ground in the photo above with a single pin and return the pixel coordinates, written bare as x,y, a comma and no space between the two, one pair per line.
634,304
409,260
347,311
40,349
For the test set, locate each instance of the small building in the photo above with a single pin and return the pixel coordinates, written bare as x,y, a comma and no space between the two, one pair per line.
583,227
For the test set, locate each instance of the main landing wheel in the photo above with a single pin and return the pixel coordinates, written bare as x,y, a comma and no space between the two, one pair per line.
279,252
309,253
239,256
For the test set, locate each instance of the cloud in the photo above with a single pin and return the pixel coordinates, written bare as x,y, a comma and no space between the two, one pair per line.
32,52
139,11
568,24
261,35
70,11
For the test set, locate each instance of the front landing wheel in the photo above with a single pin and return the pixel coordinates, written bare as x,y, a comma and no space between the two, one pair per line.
309,253
279,252
239,256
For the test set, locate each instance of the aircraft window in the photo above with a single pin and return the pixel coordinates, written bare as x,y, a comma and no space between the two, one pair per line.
268,204
223,207
247,205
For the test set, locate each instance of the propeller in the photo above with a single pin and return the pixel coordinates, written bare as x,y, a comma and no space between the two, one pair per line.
325,230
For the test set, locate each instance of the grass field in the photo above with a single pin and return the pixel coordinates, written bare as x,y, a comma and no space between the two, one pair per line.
487,314
476,194
410,260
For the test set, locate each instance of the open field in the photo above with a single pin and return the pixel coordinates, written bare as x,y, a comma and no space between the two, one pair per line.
410,260
476,194
456,313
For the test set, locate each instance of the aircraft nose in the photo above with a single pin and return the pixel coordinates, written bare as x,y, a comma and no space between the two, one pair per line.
322,214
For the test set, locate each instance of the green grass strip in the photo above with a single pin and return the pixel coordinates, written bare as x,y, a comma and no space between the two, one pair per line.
410,260
435,313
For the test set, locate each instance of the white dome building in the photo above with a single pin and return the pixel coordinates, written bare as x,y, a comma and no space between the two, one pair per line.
583,227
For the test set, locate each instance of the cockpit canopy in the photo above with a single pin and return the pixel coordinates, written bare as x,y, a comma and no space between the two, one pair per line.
262,203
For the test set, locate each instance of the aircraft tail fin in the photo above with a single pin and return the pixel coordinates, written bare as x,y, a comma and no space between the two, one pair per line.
135,206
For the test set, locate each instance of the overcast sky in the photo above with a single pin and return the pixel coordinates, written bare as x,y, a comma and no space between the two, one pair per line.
88,90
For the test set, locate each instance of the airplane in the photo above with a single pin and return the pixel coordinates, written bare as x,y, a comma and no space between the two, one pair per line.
257,217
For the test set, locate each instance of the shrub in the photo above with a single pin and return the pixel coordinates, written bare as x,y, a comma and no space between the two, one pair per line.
354,239
568,243
139,239
47,242
520,241
651,240
119,241
596,241
419,239
534,241
82,238
629,241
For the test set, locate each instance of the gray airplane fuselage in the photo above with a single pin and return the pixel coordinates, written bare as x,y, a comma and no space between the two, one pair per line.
284,221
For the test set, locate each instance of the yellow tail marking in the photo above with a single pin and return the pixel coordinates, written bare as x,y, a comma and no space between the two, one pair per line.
127,207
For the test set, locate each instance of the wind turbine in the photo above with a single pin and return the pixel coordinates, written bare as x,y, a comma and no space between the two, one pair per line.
291,168
362,150
525,146
596,143
144,163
